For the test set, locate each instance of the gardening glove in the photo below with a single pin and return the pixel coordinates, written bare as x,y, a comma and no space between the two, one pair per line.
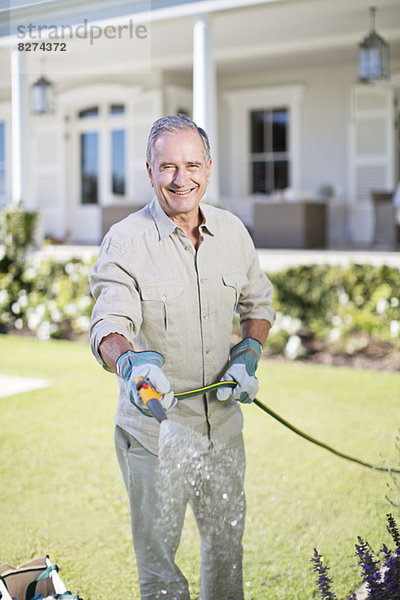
242,366
147,364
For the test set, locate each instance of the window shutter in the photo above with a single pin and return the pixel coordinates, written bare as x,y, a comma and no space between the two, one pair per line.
373,141
371,153
47,174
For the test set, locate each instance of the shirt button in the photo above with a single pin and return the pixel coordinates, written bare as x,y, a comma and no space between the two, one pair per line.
205,316
163,298
187,247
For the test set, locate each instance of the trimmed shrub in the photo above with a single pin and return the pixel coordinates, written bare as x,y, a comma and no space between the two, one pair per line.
337,306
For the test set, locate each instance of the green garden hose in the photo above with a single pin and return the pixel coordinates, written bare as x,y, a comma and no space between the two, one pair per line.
274,415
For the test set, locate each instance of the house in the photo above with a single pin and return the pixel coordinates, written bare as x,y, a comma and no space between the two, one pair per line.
274,82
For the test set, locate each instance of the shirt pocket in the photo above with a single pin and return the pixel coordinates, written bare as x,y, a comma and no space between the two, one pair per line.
233,282
160,302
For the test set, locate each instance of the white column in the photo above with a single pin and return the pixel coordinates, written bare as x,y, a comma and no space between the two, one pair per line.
205,94
19,138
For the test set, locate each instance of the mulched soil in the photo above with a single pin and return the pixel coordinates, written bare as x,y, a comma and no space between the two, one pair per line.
375,355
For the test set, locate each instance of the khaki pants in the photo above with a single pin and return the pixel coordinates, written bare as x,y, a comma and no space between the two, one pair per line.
214,488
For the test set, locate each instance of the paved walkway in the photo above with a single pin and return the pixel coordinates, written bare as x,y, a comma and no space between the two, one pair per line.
275,260
11,385
270,260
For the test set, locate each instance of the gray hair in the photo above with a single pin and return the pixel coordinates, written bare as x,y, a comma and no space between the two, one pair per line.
175,123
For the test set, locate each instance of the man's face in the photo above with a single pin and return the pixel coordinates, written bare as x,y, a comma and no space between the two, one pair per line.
179,173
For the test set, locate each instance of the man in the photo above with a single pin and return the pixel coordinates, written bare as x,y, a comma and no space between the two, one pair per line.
167,284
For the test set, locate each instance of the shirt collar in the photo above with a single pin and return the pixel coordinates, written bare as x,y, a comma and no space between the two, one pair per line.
206,225
164,224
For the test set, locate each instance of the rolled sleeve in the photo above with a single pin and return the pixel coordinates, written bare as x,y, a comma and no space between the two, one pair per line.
255,299
117,308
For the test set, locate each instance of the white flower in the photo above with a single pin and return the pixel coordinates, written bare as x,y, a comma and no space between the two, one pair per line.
19,324
394,328
84,302
83,323
30,274
15,307
381,306
40,310
289,324
55,315
294,348
336,320
3,296
69,268
43,332
394,302
34,321
23,299
334,334
71,309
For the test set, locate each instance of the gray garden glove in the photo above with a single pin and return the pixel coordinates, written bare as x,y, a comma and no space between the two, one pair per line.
242,366
147,364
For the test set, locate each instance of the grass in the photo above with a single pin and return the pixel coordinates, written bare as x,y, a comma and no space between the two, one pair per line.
62,493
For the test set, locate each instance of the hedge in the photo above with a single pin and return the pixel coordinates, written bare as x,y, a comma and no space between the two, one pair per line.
335,306
338,306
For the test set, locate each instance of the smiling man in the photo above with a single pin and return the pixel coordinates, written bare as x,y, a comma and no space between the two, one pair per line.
179,172
167,283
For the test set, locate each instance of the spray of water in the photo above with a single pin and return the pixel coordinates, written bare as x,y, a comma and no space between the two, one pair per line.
191,470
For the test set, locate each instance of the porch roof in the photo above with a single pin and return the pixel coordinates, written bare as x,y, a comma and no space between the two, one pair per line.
263,34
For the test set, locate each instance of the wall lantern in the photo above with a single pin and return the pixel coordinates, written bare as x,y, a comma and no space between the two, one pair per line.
373,55
42,97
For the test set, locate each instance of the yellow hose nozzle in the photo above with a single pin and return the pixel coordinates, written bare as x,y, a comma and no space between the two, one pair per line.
150,398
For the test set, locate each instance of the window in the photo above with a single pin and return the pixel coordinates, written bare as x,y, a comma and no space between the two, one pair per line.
117,109
2,159
269,150
101,148
118,162
89,113
264,143
89,167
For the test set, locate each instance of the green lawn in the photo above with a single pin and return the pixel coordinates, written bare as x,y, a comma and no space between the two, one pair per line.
62,493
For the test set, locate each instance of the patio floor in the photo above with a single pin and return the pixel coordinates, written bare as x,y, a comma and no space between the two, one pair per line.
270,259
276,260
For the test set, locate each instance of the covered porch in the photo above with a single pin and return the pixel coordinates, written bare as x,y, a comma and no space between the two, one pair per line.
274,83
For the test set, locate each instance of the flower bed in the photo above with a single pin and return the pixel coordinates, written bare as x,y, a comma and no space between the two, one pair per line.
327,314
338,315
48,299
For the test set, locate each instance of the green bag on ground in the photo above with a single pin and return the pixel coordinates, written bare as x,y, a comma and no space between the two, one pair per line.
37,579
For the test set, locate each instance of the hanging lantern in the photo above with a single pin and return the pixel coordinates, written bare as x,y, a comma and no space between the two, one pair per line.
373,55
42,97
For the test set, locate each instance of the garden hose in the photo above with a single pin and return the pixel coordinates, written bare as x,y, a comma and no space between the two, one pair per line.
274,415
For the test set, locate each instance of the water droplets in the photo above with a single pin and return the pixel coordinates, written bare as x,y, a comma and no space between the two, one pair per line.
191,469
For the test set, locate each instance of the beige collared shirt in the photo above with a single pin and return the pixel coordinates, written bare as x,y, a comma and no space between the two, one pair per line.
151,286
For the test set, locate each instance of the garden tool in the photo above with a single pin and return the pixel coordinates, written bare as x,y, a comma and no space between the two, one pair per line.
151,398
